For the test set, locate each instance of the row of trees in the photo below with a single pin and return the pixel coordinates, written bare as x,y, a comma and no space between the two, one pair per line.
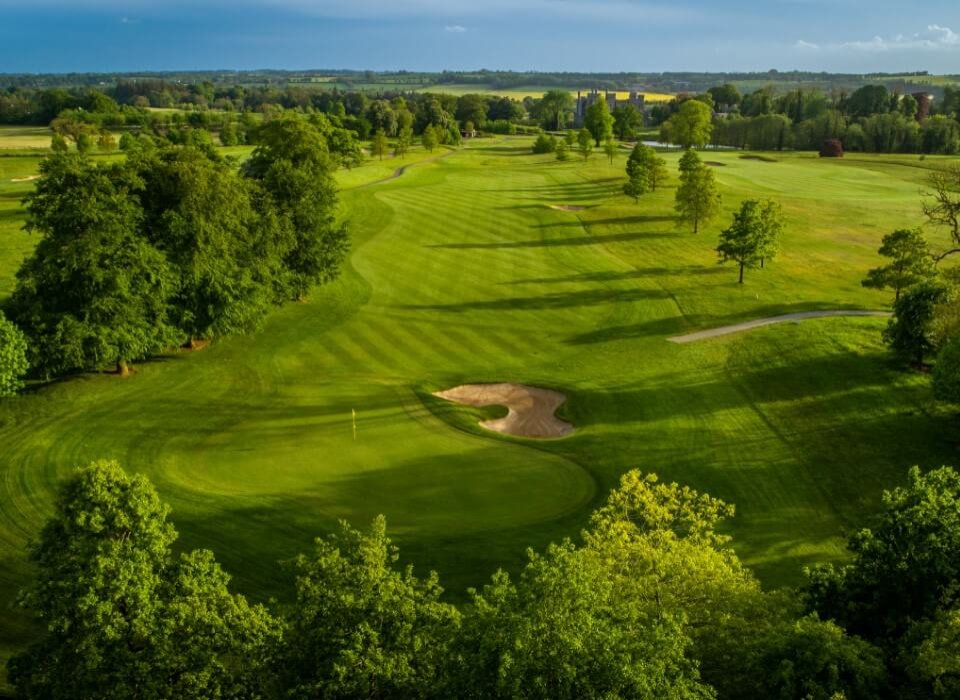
173,245
650,601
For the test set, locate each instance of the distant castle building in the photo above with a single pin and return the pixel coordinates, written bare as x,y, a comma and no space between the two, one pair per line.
584,101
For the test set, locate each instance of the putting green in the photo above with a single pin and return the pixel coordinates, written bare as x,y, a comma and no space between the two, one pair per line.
463,272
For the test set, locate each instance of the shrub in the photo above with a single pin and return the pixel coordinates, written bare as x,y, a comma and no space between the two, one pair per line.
831,148
545,144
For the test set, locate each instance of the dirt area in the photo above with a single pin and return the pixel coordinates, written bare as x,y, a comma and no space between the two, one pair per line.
530,409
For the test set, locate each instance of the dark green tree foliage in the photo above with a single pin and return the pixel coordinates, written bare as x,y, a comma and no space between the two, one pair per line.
361,629
817,660
905,568
585,143
94,292
638,163
223,251
13,357
124,617
554,109
910,262
626,120
753,237
379,145
293,165
910,333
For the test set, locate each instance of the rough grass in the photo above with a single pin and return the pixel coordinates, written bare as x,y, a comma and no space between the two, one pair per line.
462,272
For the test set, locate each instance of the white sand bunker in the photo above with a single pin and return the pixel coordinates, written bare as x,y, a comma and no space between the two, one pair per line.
568,207
28,178
530,409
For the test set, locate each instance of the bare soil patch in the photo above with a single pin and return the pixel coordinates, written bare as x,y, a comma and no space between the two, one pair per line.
530,409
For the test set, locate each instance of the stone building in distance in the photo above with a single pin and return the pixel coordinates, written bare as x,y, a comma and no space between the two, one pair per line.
585,100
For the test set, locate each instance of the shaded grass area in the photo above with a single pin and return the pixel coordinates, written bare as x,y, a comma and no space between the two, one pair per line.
461,272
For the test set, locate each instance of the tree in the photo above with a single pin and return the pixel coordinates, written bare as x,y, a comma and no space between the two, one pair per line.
227,256
429,138
404,141
944,209
626,120
656,171
379,144
58,144
545,143
598,121
817,660
361,628
124,618
13,357
753,236
697,198
690,126
638,164
554,108
293,166
610,148
905,567
936,662
229,135
584,143
910,262
725,97
563,631
94,292
561,150
910,333
84,142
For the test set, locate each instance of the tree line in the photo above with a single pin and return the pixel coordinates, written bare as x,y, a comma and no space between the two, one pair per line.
650,601
170,246
871,118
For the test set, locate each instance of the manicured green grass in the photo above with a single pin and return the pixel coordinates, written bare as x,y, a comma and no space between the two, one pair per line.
20,137
462,272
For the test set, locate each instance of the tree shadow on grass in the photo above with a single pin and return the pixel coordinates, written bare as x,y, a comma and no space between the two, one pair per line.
554,242
691,323
557,300
618,276
624,221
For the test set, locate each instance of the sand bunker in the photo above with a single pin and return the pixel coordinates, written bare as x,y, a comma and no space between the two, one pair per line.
530,409
567,207
29,178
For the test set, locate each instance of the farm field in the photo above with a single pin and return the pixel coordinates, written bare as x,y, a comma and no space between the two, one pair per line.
471,268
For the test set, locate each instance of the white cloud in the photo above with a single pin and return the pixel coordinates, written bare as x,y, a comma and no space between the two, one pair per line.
455,28
934,38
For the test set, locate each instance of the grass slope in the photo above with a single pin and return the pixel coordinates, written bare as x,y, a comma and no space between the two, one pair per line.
462,272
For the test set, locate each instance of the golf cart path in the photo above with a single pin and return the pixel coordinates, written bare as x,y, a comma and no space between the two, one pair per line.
403,168
757,323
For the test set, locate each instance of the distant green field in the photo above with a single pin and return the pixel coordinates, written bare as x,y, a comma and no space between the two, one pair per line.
462,271
21,137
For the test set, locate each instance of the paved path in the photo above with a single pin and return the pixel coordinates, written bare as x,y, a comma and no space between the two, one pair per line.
403,168
747,325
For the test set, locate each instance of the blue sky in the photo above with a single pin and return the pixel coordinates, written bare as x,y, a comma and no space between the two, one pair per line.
581,35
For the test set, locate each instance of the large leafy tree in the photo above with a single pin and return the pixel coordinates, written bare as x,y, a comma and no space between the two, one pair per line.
225,254
124,617
910,262
943,207
626,120
360,628
95,291
697,198
645,171
598,121
13,357
911,333
690,126
293,165
905,567
554,109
